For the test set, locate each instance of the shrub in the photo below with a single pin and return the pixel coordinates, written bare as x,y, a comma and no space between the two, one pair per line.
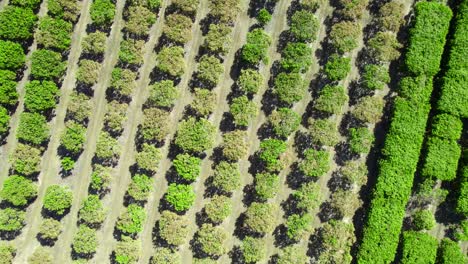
235,145
292,254
369,109
289,87
65,9
41,255
337,238
298,226
212,240
344,36
219,208
308,196
11,220
218,40
462,202
123,82
384,46
127,250
261,217
33,4
391,16
227,176
188,6
4,120
131,51
419,248
8,93
243,110
375,77
253,249
101,178
92,211
226,11
85,241
304,26
47,64
174,228
58,199
25,160
32,128
352,9
332,99
361,140
195,135
210,69
79,107
454,95
270,152
442,159
250,81
296,57
140,187
73,137
67,163
204,102
345,203
316,163
187,166
50,229
449,252
40,96
177,28
54,33
165,255
163,94
95,43
148,158
337,68
155,124
423,220
12,55
139,20
256,48
18,190
102,12
107,147
17,23
266,185
263,16
88,72
131,220
171,61
180,196
284,121
324,132
447,126
115,116
7,252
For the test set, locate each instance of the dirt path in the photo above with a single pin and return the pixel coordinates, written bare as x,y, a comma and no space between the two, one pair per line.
3,4
11,140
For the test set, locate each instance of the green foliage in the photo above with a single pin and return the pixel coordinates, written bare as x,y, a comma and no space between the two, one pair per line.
243,110
102,12
115,116
270,152
225,10
218,40
127,251
227,176
423,220
12,55
94,43
212,240
187,6
361,140
187,166
139,20
73,137
178,28
337,239
92,212
204,102
26,159
256,48
391,16
450,252
101,178
299,226
58,199
266,185
8,93
345,203
165,255
337,68
324,131
155,124
41,255
85,241
315,163
40,96
292,255
375,77
131,220
88,72
219,208
7,252
308,196
79,107
47,64
250,81
296,57
131,51
289,87
261,217
462,234
195,135
163,93
174,228
54,33
123,81
253,249
68,10
263,16
352,9
107,147
33,4
332,99
447,126
234,145
11,220
384,46
18,190
32,128
344,36
17,23
419,248
171,61
140,187
442,159
50,229
180,196
304,26
148,158
454,95
284,121
369,109
4,120
210,69
462,202
427,38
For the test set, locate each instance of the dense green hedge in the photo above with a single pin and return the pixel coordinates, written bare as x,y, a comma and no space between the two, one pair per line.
419,248
408,126
442,159
462,202
450,253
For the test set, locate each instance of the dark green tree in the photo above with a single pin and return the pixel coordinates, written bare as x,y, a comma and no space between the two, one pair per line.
187,166
337,67
47,64
40,96
304,26
18,190
12,55
180,196
32,128
17,23
296,57
289,87
195,135
54,33
102,12
58,199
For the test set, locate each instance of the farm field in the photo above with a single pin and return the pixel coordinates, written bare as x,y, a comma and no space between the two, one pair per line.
234,131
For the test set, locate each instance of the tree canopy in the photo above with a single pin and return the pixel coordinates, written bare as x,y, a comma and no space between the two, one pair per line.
155,124
107,147
163,93
54,33
123,81
195,135
284,121
344,36
337,239
337,67
218,39
255,50
210,69
261,217
384,46
33,128
92,211
140,187
174,228
266,185
375,76
253,249
227,176
171,61
40,96
304,26
148,158
308,196
127,250
332,99
139,20
250,81
212,240
204,102
25,160
41,255
289,87
296,57
270,152
324,131
8,93
369,109
85,241
177,28
131,51
131,220
219,208
94,43
165,255
235,145
187,166
50,229
315,163
17,23
18,190
68,10
11,220
4,120
180,196
12,55
47,64
88,71
243,110
58,199
102,12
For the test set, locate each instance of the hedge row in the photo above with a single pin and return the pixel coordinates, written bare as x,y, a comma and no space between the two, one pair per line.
411,110
419,248
450,253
